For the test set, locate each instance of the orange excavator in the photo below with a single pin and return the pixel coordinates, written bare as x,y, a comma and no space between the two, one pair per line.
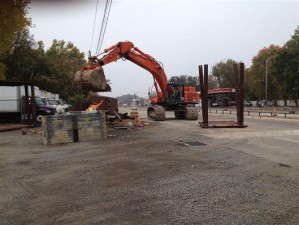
171,95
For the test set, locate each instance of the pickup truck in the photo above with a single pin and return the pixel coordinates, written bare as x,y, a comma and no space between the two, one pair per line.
42,109
51,102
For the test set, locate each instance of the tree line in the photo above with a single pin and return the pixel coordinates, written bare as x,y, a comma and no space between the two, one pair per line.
22,58
52,70
279,64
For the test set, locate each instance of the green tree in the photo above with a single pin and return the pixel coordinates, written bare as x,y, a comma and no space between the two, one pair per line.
13,16
212,82
63,60
52,70
263,61
286,66
224,73
247,93
22,62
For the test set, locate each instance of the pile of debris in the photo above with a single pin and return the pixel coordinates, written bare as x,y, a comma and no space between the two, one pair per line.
124,121
115,119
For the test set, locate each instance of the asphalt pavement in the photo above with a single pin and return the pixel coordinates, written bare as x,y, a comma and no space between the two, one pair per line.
167,172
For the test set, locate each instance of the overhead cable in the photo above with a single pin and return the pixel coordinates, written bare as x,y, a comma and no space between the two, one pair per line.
103,25
94,23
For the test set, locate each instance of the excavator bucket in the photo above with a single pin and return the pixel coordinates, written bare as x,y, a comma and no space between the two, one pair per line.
92,80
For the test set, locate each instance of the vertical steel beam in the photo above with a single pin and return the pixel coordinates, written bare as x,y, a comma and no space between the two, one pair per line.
241,94
236,75
205,89
33,105
27,110
239,80
203,102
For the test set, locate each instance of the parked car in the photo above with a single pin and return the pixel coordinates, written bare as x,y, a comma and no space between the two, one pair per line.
247,103
215,104
220,103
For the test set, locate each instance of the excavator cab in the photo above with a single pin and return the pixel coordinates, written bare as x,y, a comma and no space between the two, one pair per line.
175,90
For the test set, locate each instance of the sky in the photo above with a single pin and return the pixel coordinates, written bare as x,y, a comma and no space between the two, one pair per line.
181,34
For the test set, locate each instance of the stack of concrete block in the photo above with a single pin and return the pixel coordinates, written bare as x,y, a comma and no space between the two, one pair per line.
74,127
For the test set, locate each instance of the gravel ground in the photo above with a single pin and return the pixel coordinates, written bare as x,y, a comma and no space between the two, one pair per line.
144,176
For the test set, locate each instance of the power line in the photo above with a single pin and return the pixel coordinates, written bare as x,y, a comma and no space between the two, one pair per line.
104,24
94,23
101,26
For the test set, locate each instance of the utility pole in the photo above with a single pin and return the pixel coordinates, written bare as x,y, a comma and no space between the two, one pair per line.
259,100
266,88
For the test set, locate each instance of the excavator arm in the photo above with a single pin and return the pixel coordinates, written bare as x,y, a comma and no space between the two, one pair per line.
127,51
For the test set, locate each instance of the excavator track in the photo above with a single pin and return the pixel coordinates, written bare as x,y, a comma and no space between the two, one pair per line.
187,113
191,113
156,113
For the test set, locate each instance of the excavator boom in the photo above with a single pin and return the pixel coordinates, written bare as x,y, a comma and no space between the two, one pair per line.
92,76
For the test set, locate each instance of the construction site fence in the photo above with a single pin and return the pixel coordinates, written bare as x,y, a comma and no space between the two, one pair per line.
289,114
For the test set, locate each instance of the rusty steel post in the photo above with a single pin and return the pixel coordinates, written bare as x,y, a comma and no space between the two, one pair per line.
236,76
27,110
241,92
200,79
203,104
205,89
33,105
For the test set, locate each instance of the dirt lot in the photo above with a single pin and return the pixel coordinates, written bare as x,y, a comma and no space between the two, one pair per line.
144,176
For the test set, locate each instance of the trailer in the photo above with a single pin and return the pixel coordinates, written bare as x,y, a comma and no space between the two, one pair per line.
17,105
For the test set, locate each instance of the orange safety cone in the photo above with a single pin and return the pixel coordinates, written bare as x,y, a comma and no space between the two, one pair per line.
139,122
